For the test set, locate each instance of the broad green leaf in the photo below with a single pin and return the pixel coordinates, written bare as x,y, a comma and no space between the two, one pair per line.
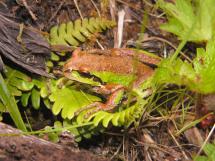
69,101
198,76
44,91
14,91
15,73
21,84
184,13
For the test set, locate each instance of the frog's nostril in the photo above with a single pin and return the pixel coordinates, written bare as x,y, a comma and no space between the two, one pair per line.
66,69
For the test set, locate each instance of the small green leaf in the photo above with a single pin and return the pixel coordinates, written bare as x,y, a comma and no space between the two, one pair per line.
44,92
98,118
25,98
115,119
47,103
21,84
54,57
49,64
53,136
14,91
35,98
15,73
2,107
107,120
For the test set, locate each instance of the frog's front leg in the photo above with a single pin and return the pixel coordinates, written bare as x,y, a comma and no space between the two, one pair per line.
113,100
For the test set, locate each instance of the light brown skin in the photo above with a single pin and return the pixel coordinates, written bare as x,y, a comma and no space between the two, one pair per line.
119,61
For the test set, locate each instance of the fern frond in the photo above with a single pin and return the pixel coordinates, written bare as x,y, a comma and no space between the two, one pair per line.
184,14
17,81
72,33
78,132
120,118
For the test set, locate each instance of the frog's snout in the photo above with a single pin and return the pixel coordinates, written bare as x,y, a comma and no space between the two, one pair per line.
67,68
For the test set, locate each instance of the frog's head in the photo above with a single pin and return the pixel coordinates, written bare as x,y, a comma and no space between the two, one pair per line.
78,62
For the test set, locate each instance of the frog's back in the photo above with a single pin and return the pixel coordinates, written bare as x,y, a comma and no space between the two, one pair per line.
124,67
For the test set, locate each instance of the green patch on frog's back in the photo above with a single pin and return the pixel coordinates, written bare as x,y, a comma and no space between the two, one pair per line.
110,77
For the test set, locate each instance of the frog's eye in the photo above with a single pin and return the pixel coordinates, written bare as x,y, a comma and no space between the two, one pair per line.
76,52
83,69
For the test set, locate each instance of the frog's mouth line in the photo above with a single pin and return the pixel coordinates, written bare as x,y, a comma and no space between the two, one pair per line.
84,77
90,76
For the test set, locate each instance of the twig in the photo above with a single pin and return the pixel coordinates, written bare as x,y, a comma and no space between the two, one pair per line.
96,8
113,13
137,8
121,16
29,10
100,45
79,11
56,12
167,42
117,151
206,140
185,156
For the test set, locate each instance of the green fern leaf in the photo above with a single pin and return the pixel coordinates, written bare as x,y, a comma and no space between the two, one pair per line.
25,98
14,91
2,107
183,14
69,101
121,118
17,81
35,98
198,76
71,34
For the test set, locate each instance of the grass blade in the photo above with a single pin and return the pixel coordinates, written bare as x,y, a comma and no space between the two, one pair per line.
9,101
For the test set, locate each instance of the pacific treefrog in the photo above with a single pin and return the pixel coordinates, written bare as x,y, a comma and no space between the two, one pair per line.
117,70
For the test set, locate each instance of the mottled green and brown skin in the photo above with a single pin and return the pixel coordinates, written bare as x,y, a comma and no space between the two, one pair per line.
117,61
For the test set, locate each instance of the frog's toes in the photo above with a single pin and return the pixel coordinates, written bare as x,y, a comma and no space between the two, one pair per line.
91,112
90,106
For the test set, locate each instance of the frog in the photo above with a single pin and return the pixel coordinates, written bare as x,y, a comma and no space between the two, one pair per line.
112,72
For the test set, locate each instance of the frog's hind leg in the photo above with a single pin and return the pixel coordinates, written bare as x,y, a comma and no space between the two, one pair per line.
113,100
93,105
